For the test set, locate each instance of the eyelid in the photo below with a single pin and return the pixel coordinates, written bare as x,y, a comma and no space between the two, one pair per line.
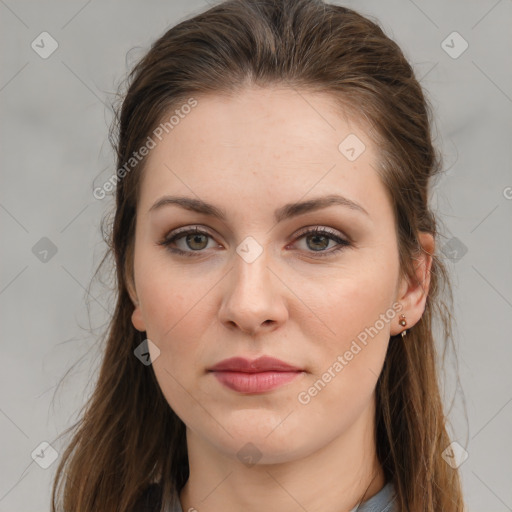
320,228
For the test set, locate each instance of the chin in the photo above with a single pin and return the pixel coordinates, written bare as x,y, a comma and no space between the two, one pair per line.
252,447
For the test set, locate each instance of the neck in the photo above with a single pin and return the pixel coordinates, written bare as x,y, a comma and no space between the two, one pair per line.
335,478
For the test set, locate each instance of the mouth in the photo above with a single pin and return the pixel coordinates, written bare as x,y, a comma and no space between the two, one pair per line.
255,382
256,376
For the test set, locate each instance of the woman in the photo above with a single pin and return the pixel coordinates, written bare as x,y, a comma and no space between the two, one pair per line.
277,277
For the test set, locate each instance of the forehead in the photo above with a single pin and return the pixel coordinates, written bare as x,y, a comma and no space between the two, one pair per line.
270,143
278,121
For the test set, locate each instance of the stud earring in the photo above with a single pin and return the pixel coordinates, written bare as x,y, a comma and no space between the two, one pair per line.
403,323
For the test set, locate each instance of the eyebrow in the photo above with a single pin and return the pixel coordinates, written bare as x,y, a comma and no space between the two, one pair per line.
285,212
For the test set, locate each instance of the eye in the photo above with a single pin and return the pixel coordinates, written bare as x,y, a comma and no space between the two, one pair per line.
195,240
320,238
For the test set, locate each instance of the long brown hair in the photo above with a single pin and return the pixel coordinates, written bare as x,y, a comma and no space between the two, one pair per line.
128,435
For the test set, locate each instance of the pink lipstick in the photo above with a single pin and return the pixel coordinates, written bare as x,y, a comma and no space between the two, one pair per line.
257,376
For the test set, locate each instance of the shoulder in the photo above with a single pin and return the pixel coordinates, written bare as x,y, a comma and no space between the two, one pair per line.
384,501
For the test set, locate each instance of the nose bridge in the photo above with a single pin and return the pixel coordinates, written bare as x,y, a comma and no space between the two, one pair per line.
249,273
251,297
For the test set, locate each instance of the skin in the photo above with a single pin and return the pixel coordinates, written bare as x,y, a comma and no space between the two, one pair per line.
248,155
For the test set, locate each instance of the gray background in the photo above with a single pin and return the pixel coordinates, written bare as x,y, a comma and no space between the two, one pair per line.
55,120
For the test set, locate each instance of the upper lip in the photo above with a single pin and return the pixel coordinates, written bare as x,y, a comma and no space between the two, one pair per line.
261,364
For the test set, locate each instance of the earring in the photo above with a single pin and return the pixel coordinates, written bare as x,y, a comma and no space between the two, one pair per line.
403,323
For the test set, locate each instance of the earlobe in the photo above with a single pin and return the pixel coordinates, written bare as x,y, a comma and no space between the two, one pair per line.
137,320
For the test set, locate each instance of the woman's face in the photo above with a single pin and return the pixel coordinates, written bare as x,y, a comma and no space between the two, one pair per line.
251,283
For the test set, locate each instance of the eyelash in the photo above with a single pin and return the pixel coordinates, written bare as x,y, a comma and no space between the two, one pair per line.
166,242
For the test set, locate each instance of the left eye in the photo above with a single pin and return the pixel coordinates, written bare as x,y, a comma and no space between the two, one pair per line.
320,238
197,240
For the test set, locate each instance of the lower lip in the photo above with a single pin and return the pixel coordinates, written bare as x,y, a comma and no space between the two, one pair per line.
255,382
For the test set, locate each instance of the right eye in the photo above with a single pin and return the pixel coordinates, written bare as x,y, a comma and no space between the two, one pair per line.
194,239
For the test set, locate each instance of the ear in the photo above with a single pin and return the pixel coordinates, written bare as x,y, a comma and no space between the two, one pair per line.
413,292
137,318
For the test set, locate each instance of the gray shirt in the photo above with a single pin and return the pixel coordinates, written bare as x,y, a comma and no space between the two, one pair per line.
383,501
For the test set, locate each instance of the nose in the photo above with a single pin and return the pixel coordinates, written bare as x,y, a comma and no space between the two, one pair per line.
253,298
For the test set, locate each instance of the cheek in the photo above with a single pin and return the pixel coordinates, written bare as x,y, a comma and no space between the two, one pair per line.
177,322
168,295
348,351
176,305
350,302
345,366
